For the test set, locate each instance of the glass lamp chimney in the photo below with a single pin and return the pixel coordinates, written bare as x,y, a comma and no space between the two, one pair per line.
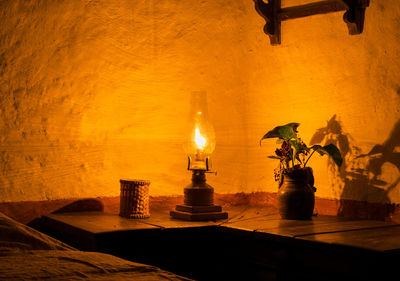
200,138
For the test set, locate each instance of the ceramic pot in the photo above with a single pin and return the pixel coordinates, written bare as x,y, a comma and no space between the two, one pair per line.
296,195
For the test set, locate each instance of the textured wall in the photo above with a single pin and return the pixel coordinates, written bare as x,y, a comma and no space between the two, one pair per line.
94,91
342,89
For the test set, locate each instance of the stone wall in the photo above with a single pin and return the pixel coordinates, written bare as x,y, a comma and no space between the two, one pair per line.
94,91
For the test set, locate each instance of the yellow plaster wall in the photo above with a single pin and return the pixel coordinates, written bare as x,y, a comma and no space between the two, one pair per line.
342,89
94,91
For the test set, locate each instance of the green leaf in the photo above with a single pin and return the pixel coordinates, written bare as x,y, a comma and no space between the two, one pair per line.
330,150
285,132
319,149
334,152
297,146
293,125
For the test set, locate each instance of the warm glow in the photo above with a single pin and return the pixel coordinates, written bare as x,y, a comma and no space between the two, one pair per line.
199,140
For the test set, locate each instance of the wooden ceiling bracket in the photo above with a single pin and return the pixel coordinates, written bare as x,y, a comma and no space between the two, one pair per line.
272,25
274,14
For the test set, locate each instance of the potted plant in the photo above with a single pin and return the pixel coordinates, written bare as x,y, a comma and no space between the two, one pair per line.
296,181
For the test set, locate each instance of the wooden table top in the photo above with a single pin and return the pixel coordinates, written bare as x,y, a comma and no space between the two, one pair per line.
259,221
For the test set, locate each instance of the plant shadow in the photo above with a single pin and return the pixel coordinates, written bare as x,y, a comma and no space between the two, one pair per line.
361,174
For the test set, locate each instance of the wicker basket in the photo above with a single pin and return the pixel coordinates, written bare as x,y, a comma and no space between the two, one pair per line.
134,199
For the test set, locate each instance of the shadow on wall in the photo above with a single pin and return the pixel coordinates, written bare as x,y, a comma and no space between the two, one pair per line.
361,173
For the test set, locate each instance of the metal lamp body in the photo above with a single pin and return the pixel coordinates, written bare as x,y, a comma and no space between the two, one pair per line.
198,201
200,143
199,193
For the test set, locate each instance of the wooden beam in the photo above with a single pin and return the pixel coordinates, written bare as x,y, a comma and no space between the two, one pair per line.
274,14
322,7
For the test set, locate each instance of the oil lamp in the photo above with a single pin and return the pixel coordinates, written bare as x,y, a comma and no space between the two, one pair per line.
199,144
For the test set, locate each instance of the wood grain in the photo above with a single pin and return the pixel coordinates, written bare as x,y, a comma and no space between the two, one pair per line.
384,239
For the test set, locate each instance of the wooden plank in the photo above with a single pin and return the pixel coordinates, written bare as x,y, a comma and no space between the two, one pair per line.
250,212
98,222
384,239
310,9
322,225
376,235
274,224
164,220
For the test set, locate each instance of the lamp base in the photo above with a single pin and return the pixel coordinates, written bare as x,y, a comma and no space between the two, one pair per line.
198,213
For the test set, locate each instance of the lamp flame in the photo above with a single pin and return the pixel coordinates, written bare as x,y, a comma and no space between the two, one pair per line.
199,139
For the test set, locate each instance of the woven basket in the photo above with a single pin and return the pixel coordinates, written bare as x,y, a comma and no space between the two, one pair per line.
134,199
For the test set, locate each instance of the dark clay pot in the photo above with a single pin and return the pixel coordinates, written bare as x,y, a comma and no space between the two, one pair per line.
296,195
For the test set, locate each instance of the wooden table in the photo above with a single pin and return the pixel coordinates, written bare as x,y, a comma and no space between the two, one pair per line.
253,244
